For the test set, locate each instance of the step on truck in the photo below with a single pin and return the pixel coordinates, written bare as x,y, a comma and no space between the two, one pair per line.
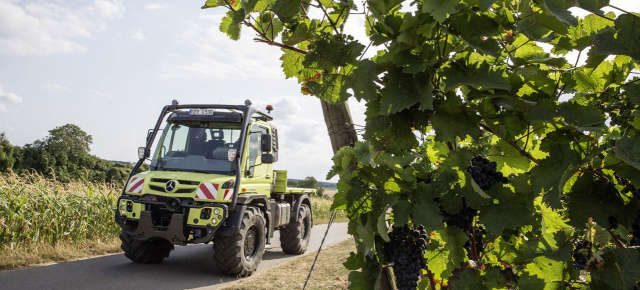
211,179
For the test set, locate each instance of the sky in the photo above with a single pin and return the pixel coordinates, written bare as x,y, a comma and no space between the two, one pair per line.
109,66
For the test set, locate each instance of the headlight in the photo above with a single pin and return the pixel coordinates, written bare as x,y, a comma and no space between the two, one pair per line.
216,211
214,221
122,203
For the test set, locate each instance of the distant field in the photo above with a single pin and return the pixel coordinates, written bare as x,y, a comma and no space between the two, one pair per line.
330,192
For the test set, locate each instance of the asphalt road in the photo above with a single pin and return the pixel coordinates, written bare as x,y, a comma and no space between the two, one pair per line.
187,267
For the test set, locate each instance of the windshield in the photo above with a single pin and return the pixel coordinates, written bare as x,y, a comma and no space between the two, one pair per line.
196,147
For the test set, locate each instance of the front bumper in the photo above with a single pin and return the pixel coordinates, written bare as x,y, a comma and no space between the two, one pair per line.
179,221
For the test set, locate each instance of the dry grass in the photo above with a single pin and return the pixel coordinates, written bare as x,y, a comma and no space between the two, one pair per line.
328,273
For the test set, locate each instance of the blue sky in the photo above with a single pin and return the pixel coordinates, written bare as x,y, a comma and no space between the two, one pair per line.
109,66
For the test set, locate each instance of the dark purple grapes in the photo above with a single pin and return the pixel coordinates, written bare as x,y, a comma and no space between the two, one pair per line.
484,172
581,250
406,250
479,233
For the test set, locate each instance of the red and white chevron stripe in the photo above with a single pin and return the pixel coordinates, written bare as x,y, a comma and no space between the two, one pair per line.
207,191
228,194
135,185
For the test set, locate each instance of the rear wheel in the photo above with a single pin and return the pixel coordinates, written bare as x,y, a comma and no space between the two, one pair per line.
241,253
146,252
294,237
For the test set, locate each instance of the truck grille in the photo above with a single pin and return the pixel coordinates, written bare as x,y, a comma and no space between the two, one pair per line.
181,190
183,182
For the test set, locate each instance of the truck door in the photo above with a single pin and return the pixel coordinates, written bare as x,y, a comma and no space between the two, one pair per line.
258,174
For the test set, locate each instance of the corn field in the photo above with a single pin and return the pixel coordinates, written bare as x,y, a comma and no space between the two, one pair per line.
35,210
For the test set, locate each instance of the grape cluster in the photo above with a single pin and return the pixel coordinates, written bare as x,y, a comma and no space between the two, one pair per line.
635,231
406,250
478,234
463,219
484,172
581,249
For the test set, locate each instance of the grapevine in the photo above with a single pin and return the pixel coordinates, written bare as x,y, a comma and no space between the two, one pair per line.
509,129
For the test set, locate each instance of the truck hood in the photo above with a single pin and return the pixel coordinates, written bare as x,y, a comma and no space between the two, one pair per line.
199,186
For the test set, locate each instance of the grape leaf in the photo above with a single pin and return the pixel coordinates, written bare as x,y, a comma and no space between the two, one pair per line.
439,8
589,198
558,9
621,269
291,63
482,75
508,211
623,41
467,279
445,251
547,175
584,117
452,120
405,90
628,149
230,24
286,9
543,273
362,80
427,214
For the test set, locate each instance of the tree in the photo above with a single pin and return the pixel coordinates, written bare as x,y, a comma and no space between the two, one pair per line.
521,165
8,154
308,182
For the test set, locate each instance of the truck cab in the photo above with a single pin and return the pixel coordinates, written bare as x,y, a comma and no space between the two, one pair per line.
212,179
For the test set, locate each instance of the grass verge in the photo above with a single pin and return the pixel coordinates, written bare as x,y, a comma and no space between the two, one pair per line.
328,273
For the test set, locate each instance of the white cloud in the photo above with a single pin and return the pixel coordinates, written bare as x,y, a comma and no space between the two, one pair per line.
55,87
217,57
155,6
138,34
8,97
49,27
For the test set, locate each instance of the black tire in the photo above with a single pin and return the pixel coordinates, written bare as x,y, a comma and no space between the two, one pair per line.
241,253
146,252
294,237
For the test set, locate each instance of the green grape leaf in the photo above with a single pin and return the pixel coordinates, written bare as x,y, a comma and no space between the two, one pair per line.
628,149
402,91
230,24
213,3
401,213
355,261
291,63
544,273
621,269
332,88
476,29
584,117
286,9
467,279
482,75
556,246
439,9
558,8
552,220
590,198
622,41
546,178
445,251
367,278
362,80
452,120
427,214
331,53
509,210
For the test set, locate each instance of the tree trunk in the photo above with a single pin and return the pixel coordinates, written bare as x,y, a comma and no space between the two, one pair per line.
337,117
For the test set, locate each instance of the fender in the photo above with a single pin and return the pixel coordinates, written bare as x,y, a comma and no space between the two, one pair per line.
301,199
232,224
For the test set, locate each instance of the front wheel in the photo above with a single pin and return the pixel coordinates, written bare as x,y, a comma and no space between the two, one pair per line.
294,237
146,252
241,253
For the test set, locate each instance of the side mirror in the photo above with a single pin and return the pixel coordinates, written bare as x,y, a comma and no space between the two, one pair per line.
266,143
267,158
149,133
143,153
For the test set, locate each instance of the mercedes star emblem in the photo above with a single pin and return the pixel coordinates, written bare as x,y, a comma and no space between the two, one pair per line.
170,186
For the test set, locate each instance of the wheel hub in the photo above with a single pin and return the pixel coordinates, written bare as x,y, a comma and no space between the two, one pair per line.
250,243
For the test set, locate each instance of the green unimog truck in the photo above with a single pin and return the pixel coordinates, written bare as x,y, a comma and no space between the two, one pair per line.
211,179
